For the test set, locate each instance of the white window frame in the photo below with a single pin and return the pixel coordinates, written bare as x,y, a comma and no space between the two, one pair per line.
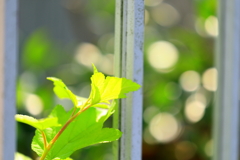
129,31
226,109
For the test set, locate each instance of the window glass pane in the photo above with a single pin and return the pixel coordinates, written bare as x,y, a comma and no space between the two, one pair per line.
179,79
62,39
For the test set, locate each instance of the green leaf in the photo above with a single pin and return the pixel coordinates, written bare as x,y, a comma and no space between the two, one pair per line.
95,96
62,115
62,91
37,143
110,88
19,156
87,127
39,124
101,105
85,130
115,88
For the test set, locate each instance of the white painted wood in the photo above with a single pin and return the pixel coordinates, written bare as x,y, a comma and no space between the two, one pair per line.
129,31
8,63
226,109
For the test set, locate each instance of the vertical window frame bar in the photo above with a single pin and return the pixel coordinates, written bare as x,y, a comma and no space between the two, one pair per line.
8,70
226,109
129,31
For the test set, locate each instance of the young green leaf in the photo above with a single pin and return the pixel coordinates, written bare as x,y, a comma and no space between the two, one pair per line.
105,89
101,105
62,91
85,130
39,124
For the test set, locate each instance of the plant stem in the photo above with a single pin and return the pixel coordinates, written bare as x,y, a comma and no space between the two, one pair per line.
49,146
74,111
44,139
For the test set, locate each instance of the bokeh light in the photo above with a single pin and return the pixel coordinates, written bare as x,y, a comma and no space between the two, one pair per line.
198,96
33,104
190,80
164,127
209,79
165,15
194,111
87,53
162,55
211,26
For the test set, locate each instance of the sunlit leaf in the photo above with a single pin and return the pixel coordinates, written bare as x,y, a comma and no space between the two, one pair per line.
85,130
101,105
39,124
62,91
105,89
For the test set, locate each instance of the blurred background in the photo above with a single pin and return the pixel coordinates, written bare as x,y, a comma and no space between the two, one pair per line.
63,38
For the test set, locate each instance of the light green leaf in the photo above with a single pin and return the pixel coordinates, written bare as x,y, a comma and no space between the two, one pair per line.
62,91
110,88
115,88
39,124
37,143
95,96
101,105
19,156
85,130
